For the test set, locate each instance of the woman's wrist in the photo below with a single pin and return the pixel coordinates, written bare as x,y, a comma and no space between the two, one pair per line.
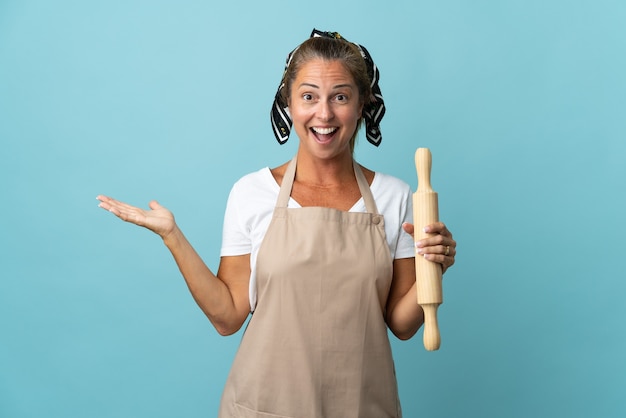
172,238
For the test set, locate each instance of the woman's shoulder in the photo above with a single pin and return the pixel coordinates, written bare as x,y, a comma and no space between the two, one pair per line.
387,184
389,180
256,185
259,178
379,179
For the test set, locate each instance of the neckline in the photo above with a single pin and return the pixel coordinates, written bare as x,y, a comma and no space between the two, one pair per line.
288,178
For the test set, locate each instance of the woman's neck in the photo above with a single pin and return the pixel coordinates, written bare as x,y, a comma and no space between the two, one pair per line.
325,173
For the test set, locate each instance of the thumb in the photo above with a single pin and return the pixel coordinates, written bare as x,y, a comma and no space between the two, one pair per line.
154,205
408,228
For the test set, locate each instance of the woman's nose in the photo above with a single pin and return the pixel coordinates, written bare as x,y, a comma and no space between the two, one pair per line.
324,111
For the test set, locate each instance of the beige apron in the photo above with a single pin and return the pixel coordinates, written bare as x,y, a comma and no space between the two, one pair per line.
317,344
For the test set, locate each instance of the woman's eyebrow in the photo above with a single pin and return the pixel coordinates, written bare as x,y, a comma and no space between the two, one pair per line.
338,86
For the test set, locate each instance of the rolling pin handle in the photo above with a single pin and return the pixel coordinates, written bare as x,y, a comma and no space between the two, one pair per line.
432,338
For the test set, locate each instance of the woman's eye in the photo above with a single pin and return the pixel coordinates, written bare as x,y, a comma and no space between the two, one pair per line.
341,97
307,97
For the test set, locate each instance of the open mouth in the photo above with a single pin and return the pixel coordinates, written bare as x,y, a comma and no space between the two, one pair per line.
324,134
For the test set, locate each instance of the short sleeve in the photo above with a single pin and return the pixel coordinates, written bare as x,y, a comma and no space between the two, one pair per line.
236,235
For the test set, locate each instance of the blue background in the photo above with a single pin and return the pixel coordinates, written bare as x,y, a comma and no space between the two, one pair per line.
522,104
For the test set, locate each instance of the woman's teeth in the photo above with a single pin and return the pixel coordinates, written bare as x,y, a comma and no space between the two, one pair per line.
324,131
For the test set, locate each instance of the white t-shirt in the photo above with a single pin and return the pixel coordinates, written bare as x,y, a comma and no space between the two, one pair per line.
251,204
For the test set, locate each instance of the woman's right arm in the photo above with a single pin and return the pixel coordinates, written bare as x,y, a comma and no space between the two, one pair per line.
223,297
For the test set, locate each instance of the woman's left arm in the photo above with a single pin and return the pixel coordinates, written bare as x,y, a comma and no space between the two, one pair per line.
404,316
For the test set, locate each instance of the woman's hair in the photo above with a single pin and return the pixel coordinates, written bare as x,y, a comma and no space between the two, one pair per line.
329,49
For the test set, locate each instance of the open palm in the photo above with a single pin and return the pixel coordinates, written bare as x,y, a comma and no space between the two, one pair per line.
157,219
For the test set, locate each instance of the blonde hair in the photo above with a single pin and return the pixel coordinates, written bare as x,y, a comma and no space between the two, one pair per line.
329,49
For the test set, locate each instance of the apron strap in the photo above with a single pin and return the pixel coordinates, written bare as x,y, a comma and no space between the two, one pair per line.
290,174
368,198
287,184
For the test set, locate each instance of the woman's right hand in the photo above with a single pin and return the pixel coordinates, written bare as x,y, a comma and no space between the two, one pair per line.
157,219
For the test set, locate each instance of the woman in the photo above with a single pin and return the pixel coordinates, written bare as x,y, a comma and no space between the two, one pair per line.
320,249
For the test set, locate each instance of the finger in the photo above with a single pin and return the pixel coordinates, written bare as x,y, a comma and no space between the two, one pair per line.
437,228
433,241
436,245
112,206
120,207
408,228
124,211
104,202
445,261
130,214
447,250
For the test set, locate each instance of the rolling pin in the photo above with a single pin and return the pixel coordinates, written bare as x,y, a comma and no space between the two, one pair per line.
427,273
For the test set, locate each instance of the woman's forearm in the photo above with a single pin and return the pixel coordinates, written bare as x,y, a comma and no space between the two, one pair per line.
213,295
406,317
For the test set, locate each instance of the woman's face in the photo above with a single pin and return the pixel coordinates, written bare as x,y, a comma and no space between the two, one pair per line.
325,107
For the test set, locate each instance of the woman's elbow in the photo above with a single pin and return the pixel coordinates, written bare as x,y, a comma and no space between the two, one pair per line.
404,335
226,328
404,330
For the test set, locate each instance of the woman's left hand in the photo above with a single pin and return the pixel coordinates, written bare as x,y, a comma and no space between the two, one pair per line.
440,247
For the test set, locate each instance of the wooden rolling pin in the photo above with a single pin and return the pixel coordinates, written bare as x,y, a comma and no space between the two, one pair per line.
427,273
